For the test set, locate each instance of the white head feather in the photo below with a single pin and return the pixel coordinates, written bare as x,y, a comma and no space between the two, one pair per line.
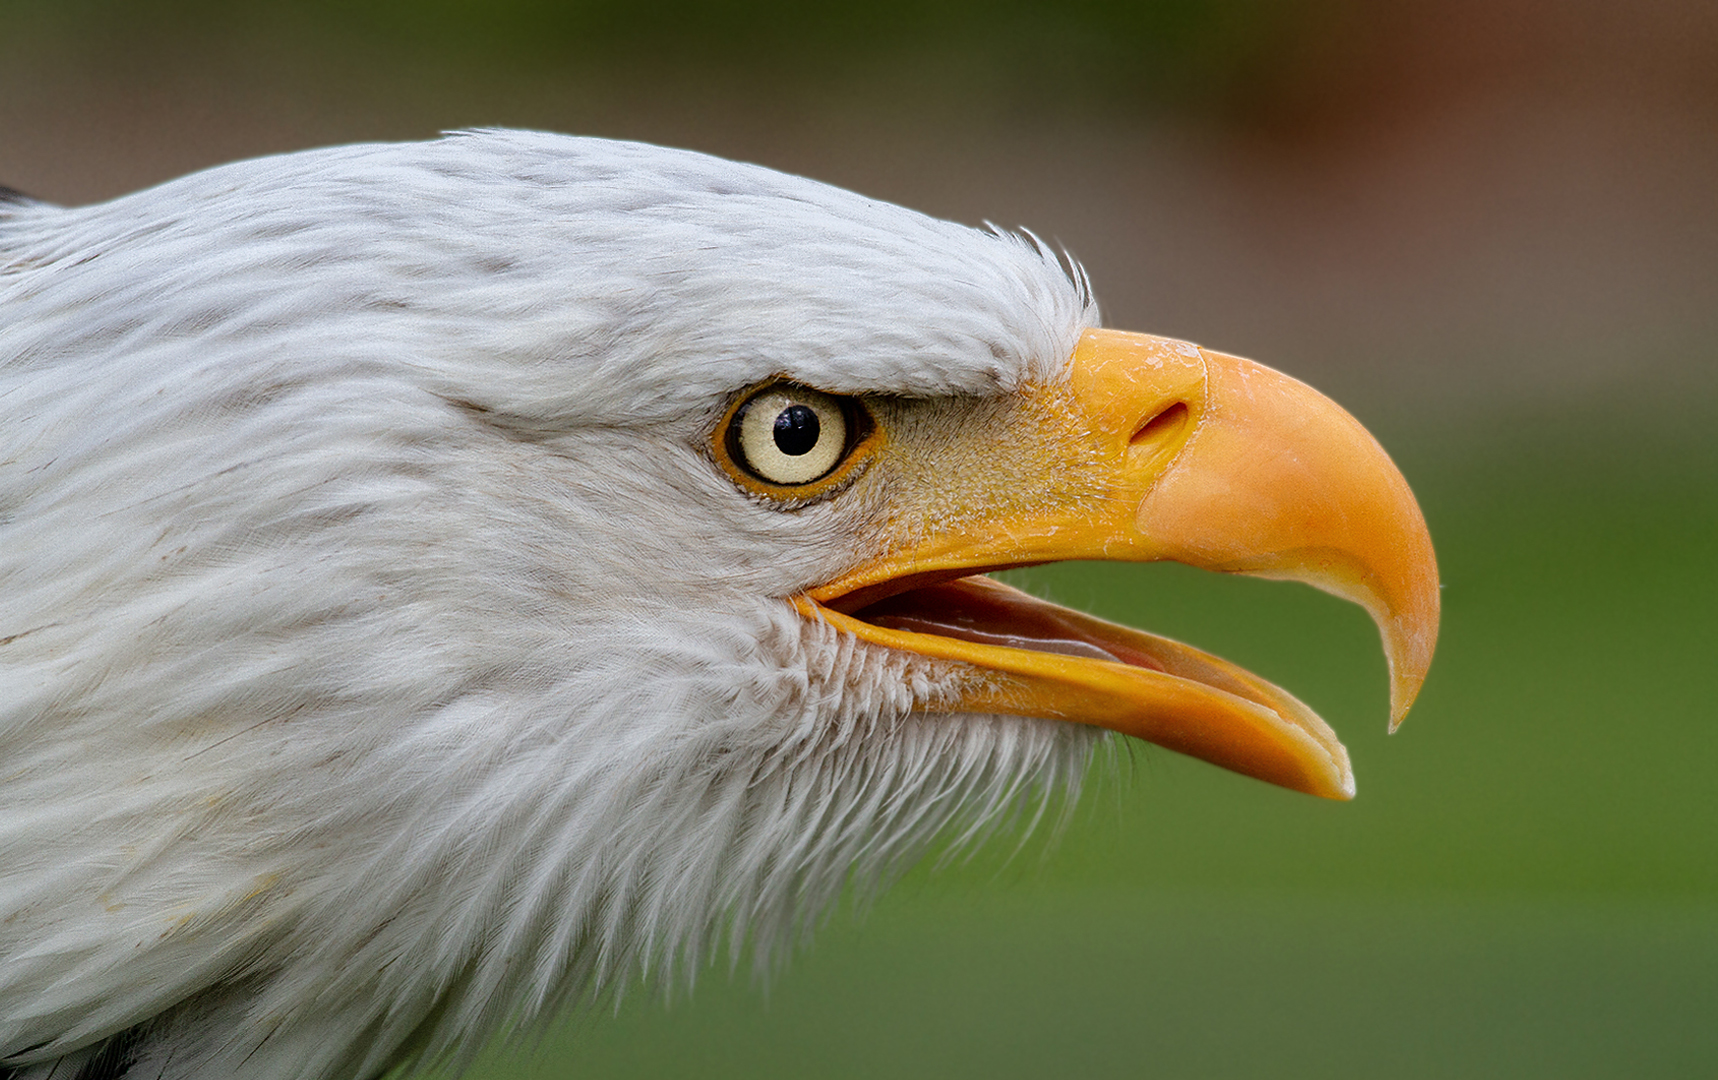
383,660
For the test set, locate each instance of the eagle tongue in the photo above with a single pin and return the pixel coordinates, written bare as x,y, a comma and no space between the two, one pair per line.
973,609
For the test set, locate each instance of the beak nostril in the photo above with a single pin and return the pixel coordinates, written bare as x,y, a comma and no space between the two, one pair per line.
1165,423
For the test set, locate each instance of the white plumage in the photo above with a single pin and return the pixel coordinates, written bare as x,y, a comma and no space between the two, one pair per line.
439,582
382,658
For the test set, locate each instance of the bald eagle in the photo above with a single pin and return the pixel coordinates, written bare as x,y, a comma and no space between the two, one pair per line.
440,581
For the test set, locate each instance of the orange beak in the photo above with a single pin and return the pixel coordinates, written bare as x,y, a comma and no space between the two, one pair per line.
1163,450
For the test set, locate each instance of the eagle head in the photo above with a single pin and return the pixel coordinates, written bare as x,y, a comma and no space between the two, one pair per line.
440,581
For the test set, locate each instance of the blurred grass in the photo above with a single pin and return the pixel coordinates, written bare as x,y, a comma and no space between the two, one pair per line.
1526,886
1111,984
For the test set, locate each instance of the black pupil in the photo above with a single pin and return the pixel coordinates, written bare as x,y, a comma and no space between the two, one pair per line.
796,430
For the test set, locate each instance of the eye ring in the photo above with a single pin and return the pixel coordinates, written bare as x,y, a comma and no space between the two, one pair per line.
790,442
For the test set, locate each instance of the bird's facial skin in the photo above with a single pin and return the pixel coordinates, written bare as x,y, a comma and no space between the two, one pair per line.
1153,449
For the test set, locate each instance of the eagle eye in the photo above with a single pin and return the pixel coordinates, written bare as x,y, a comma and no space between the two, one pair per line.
790,436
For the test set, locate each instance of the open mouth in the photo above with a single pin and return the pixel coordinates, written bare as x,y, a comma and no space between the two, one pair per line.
1034,658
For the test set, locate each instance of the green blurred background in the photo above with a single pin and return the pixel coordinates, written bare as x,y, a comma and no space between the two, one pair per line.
1488,228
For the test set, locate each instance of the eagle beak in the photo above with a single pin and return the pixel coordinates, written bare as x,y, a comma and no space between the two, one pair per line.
1163,450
